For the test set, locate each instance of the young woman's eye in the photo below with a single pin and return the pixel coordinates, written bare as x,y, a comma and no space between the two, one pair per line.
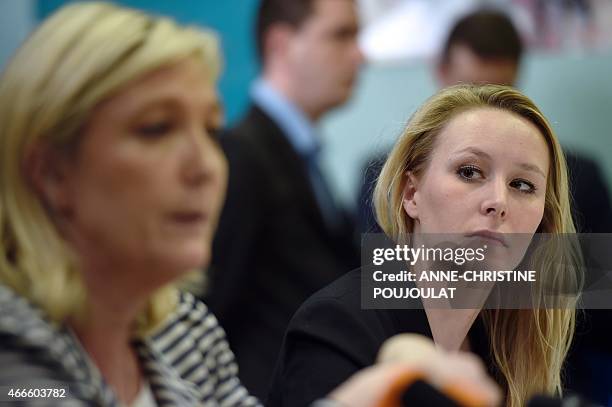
155,130
469,173
523,186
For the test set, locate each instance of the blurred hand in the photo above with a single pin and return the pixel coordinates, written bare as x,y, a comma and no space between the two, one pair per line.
405,358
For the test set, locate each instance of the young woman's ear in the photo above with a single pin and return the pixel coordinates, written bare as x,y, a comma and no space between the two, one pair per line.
47,172
408,196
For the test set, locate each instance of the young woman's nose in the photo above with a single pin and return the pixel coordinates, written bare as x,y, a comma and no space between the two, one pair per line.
495,202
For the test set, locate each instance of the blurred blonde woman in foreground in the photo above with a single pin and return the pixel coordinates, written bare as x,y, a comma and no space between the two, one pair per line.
111,185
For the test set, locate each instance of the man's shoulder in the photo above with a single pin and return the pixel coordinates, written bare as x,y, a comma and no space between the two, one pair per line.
255,123
253,140
578,161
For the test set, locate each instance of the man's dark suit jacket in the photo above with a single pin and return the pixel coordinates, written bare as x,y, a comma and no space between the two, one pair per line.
330,338
273,248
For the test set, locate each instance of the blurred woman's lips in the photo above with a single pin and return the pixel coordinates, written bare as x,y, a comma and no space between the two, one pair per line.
495,237
188,217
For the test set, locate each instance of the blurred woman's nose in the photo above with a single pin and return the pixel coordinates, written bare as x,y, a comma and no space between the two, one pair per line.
201,156
495,202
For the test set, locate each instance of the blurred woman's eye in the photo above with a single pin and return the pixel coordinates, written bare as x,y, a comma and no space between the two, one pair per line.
213,132
523,186
155,130
469,173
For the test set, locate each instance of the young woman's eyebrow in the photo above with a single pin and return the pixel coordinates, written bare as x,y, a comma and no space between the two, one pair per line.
473,150
478,152
532,168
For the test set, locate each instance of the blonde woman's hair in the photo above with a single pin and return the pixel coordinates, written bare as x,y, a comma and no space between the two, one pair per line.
78,57
528,345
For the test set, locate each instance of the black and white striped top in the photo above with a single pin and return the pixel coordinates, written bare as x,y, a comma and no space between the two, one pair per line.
187,362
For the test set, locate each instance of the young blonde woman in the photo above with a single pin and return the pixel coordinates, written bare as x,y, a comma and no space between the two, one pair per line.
472,161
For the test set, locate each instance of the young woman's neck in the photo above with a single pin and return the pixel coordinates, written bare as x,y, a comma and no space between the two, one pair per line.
450,326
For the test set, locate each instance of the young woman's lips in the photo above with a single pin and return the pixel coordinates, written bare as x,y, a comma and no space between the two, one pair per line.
494,237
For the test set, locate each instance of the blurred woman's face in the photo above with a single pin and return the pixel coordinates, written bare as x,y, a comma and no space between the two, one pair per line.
486,176
148,181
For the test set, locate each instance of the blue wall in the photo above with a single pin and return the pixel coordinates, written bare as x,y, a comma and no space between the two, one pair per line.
233,19
16,21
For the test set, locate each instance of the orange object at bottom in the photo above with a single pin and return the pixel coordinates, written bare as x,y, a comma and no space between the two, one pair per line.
462,394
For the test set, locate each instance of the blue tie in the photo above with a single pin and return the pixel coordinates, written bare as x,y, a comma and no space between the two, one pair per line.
331,213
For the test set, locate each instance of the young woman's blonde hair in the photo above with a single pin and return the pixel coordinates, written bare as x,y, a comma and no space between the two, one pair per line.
529,345
77,58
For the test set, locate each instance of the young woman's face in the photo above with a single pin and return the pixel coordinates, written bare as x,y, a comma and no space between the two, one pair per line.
486,176
148,181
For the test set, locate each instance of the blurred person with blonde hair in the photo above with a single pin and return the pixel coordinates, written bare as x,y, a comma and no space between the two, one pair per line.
111,183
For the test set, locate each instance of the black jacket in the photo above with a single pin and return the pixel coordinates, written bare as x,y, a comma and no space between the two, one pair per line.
273,248
331,337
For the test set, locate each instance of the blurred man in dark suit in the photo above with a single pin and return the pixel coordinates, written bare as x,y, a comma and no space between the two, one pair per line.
282,236
485,47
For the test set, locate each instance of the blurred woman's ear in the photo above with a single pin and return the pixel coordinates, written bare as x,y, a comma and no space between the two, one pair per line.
408,195
46,170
